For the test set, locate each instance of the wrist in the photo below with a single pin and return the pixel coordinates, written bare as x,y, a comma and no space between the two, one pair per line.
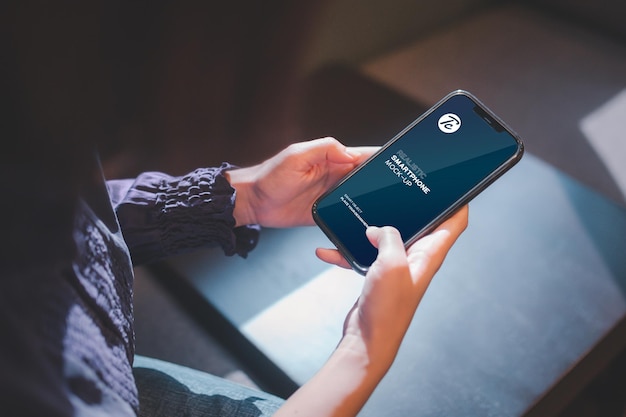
242,180
345,383
375,359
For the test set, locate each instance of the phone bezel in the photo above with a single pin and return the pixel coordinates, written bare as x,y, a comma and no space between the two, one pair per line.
460,202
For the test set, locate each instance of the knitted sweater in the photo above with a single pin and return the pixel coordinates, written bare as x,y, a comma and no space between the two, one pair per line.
66,292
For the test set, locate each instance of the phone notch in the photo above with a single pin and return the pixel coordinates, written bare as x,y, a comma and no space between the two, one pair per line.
491,121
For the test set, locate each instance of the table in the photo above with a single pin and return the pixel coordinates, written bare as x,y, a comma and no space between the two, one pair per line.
528,307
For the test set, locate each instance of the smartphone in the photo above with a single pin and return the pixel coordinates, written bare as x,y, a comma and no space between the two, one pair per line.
420,177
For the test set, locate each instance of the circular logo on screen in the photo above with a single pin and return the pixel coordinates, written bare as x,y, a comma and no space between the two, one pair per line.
449,123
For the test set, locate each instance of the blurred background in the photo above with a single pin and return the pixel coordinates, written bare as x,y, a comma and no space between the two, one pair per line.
171,86
176,85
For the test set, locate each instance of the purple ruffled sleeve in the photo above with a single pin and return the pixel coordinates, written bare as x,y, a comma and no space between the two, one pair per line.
161,215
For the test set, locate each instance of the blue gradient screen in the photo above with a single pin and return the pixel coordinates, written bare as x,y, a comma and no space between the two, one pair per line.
416,178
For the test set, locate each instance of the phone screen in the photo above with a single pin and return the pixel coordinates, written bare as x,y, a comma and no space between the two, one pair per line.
434,166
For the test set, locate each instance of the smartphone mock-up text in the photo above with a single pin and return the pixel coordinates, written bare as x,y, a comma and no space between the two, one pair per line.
419,178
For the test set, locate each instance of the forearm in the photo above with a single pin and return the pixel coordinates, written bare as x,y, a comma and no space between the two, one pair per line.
342,386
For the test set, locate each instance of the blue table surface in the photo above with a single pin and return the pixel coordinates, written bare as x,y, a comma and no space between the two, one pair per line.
530,290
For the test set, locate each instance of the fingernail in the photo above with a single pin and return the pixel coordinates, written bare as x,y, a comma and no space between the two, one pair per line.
372,229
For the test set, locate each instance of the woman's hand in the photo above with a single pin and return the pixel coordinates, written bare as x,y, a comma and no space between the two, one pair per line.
394,286
374,328
280,191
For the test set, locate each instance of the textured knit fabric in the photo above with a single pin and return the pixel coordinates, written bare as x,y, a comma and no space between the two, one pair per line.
162,215
66,291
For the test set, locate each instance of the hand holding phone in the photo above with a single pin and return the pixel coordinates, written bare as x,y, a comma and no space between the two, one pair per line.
434,166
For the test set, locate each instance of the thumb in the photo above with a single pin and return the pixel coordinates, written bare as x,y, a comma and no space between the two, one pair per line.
338,153
389,243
